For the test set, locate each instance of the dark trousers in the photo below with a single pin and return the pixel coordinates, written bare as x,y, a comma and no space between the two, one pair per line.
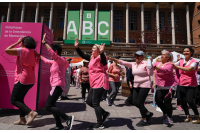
130,97
186,96
84,87
17,98
115,87
72,79
197,95
178,97
93,100
139,97
51,107
165,104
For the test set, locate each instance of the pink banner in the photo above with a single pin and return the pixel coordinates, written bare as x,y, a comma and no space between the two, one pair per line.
11,32
45,70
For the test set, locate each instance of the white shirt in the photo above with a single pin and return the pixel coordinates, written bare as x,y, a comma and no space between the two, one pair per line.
194,64
198,79
69,68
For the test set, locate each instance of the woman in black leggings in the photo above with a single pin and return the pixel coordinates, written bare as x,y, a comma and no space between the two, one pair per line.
142,84
188,83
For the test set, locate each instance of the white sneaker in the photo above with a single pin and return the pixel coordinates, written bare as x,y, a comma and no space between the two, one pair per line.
108,102
158,109
113,105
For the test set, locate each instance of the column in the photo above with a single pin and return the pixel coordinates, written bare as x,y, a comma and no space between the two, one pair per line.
80,23
36,12
65,21
8,13
172,24
127,22
157,23
51,16
111,22
188,24
96,22
22,13
142,21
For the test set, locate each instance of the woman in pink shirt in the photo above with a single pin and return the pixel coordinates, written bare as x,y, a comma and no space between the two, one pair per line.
24,76
114,74
98,80
57,81
165,85
141,70
187,83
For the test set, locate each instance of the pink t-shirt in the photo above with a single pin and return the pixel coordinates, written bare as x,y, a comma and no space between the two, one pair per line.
114,70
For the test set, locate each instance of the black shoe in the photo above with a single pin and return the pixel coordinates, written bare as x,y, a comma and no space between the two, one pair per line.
98,126
70,122
142,123
57,128
105,116
148,117
64,98
127,104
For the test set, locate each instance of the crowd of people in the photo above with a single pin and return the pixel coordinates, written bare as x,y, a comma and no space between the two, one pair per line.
164,78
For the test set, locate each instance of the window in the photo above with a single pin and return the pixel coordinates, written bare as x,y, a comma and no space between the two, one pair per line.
60,39
118,40
46,16
161,21
19,15
161,41
25,15
198,7
5,15
199,36
118,20
32,18
60,18
147,20
199,22
176,42
131,40
176,21
169,21
12,15
132,20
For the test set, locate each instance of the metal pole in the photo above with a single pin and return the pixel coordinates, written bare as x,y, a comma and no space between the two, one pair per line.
80,22
157,23
142,21
51,16
188,24
2,18
111,23
127,22
36,12
42,19
22,13
65,21
172,24
96,23
8,14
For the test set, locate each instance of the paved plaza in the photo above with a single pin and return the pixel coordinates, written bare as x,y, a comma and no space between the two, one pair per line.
122,117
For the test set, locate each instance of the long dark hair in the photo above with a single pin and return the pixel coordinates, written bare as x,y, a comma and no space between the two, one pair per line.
191,50
29,42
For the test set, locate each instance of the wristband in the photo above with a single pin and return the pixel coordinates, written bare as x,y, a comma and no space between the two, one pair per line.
44,43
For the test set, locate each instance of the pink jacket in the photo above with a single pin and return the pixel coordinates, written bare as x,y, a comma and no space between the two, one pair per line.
188,78
165,77
25,69
97,74
57,69
141,74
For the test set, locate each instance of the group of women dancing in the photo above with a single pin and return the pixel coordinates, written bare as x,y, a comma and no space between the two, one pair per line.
97,77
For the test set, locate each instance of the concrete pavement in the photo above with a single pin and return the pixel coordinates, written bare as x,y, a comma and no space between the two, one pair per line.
122,117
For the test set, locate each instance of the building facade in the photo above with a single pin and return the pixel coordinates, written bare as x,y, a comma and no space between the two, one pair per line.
168,25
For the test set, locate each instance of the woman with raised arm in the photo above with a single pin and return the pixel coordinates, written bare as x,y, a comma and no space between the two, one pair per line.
24,76
188,83
165,85
141,70
57,81
98,80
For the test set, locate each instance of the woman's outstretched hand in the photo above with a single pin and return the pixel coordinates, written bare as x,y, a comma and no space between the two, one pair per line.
102,47
76,43
44,37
